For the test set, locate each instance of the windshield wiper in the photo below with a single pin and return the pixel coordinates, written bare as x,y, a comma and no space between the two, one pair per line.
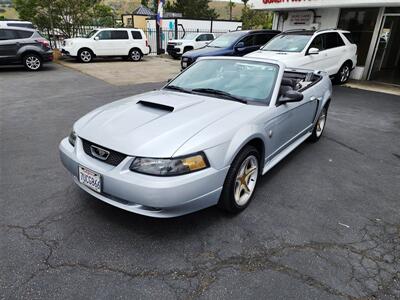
219,93
177,88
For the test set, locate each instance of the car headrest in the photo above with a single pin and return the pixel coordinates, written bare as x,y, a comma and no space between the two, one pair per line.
288,82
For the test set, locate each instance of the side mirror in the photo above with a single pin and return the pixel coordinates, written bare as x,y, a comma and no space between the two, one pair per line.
96,38
291,96
239,46
313,51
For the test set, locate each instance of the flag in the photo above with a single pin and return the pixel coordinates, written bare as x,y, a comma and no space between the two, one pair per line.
160,12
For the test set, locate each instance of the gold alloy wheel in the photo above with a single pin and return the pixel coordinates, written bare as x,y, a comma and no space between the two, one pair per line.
321,123
246,180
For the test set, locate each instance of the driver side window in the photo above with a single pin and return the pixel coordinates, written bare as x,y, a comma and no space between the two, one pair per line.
248,41
318,43
105,35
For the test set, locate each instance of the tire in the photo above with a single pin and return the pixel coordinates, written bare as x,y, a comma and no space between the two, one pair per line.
239,188
85,56
135,55
32,62
344,74
319,127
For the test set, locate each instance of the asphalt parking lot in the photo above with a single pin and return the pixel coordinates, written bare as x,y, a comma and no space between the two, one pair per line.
325,223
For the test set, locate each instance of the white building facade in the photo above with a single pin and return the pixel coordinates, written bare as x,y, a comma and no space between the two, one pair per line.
375,27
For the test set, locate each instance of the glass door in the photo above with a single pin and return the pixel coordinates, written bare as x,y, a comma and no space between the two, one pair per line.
386,65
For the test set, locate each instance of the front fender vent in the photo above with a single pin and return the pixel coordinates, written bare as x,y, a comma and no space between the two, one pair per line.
156,105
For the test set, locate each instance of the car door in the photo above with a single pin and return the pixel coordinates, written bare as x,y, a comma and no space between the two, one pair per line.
121,45
9,45
335,49
103,43
201,41
291,122
245,45
316,61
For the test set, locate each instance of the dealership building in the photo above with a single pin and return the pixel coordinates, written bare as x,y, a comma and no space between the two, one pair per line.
374,24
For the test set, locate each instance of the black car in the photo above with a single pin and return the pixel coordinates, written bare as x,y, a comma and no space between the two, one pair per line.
235,43
24,46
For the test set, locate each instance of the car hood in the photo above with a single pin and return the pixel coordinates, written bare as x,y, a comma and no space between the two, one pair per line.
206,51
155,124
178,41
291,60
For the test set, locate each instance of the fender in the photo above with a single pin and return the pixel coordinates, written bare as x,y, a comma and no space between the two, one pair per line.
28,48
241,139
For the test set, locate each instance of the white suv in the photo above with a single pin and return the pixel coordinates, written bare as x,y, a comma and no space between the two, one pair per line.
328,50
192,41
124,42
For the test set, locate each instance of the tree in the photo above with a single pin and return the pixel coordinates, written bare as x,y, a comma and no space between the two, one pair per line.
254,19
69,17
145,2
193,9
231,5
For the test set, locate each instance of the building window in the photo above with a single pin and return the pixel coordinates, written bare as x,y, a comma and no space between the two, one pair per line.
361,23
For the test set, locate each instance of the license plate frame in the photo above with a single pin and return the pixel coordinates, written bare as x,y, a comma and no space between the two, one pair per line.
90,179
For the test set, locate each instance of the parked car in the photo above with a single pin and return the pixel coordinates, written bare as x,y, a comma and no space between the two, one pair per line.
235,43
203,139
191,41
108,42
16,23
24,46
329,50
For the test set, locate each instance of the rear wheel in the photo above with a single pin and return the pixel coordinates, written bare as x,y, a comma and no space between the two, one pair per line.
241,181
32,62
85,56
344,74
135,55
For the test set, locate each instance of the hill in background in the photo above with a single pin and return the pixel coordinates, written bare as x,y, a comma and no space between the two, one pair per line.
127,6
221,7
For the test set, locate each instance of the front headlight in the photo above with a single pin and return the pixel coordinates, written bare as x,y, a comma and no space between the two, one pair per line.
178,44
170,167
72,138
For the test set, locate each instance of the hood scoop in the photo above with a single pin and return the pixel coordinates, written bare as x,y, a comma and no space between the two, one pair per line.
156,105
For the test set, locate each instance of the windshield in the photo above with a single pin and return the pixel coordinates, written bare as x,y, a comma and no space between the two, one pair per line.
225,40
92,33
287,43
241,79
190,36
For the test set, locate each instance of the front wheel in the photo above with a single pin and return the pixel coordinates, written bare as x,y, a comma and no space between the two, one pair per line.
319,126
32,62
241,181
85,56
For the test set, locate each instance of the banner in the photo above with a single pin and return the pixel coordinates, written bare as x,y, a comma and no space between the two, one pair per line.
160,12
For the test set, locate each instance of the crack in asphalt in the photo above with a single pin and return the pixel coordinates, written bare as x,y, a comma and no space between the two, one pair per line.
377,255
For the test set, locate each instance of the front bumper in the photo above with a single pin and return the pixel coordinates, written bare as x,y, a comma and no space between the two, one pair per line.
161,197
174,50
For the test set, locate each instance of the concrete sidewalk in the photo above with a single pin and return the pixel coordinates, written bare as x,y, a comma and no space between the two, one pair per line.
119,72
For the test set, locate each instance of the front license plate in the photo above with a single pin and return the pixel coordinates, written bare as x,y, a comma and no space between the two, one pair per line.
90,178
184,64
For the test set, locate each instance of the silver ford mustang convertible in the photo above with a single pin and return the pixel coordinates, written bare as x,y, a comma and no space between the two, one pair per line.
204,139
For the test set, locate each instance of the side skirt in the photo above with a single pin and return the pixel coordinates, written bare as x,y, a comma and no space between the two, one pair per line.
270,164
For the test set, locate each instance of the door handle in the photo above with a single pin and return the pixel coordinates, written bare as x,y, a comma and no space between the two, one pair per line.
313,98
